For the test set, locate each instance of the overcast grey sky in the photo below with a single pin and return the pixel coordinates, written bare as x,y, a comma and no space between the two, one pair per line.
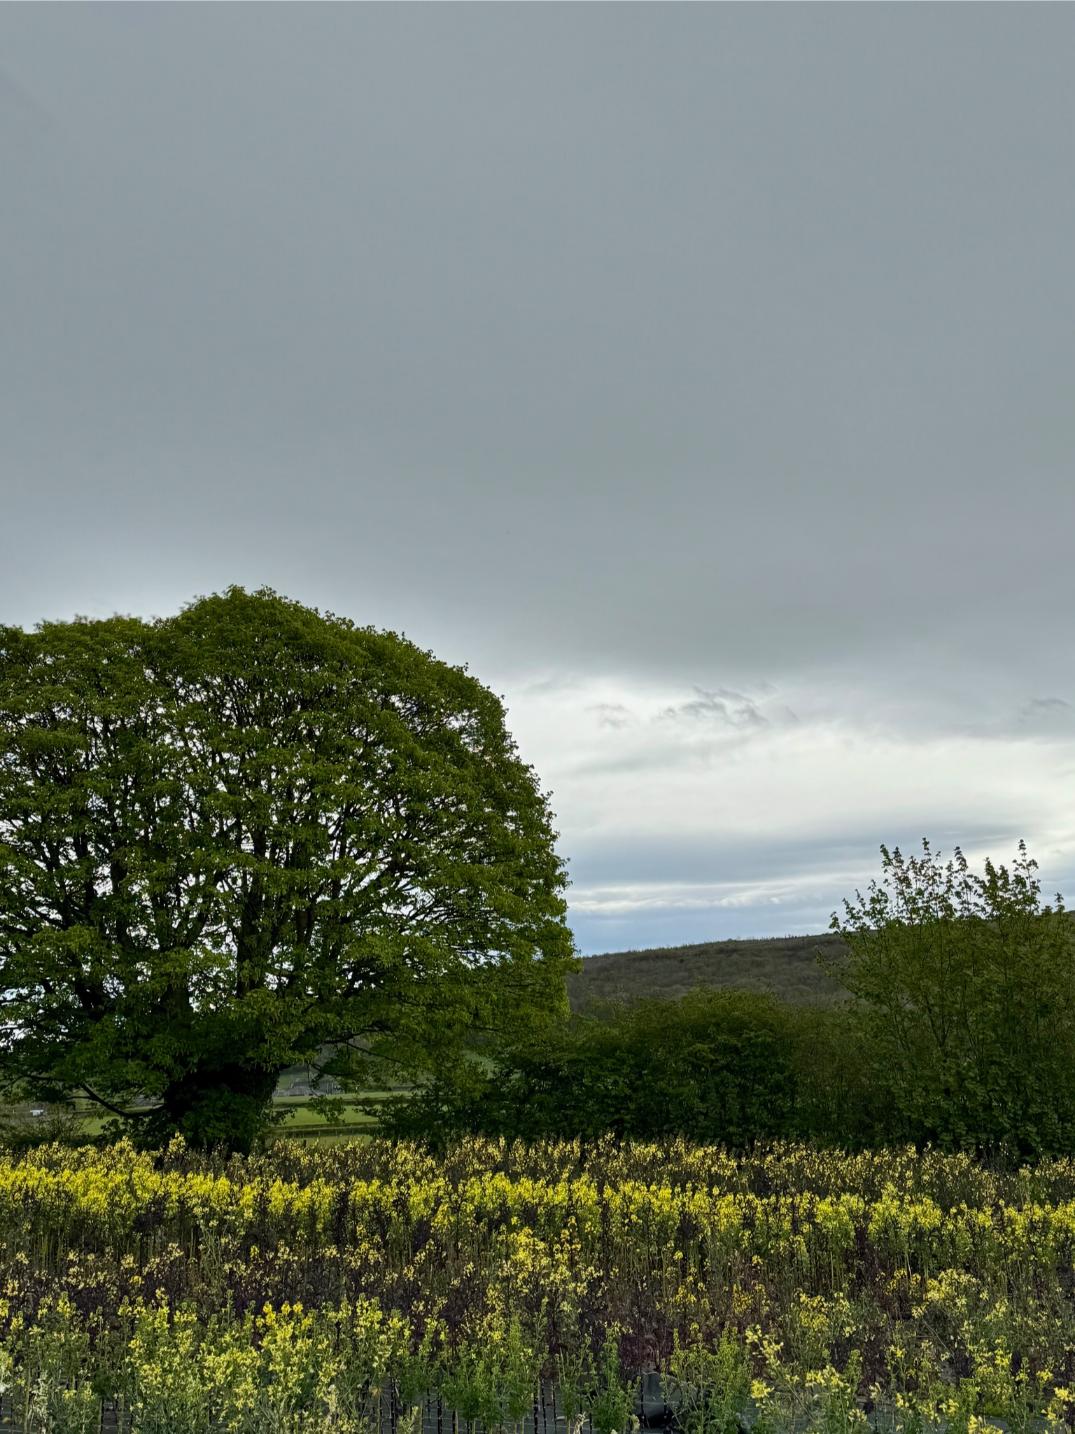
703,376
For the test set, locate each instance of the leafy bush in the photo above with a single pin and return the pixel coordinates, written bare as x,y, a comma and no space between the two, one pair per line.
61,1125
715,1066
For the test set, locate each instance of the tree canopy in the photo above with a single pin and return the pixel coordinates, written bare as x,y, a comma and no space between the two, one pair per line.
249,834
965,998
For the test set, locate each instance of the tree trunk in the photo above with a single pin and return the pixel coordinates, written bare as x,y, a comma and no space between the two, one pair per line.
224,1105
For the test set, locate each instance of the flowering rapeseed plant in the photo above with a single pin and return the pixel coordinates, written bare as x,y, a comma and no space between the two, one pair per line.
308,1288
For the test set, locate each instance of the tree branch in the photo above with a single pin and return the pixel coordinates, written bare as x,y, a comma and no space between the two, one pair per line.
115,1109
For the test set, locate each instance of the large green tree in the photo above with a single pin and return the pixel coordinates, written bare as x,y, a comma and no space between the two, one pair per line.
249,834
964,994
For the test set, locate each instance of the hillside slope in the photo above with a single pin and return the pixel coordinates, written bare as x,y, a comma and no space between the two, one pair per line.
786,965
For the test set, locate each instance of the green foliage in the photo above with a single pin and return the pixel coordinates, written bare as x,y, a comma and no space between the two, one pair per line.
598,1388
610,1401
714,1066
493,1375
169,1393
967,1006
958,1028
709,1388
236,837
841,1097
21,1131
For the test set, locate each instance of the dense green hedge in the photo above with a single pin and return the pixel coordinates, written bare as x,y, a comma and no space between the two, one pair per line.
733,1068
728,1067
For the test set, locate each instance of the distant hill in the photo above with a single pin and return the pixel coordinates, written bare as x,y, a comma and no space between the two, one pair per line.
787,965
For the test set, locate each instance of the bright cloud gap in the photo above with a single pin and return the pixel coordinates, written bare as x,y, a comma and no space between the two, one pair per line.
719,810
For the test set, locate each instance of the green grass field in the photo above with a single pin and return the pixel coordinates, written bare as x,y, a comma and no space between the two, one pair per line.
301,1120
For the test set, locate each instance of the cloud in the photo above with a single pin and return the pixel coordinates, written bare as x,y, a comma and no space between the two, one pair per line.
1046,714
636,357
619,900
766,828
612,714
721,704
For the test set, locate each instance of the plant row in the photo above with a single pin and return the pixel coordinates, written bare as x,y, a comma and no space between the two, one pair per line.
301,1288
